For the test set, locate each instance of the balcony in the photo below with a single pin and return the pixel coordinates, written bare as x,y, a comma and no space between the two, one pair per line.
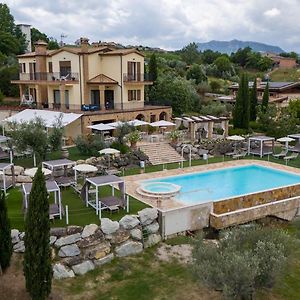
53,77
137,78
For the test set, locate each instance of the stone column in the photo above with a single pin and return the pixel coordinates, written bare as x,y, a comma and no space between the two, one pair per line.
210,130
21,91
38,94
102,97
192,130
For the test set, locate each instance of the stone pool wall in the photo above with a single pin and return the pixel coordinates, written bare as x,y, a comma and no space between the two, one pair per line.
77,250
247,201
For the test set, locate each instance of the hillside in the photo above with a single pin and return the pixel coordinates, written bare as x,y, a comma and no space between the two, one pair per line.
232,46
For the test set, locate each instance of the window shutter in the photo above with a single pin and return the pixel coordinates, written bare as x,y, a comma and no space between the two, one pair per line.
129,95
138,92
129,69
20,68
138,71
50,67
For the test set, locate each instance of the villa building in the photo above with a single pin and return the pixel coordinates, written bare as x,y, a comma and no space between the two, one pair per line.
280,61
104,83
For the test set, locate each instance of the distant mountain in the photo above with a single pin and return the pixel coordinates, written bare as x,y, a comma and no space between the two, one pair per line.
232,46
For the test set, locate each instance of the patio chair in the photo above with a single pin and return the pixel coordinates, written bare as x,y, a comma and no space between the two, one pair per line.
112,203
232,153
282,154
296,148
239,155
294,155
3,154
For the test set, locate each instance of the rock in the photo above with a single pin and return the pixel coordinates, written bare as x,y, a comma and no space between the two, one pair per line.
69,250
23,179
108,226
95,239
14,233
22,235
60,272
96,252
53,253
53,239
67,240
91,160
147,215
17,169
152,228
104,260
71,261
58,231
19,247
129,248
83,267
129,222
119,237
74,229
89,230
80,162
152,240
136,234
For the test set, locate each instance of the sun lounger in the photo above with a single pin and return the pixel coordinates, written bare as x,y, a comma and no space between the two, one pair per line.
282,154
239,155
294,155
111,202
296,148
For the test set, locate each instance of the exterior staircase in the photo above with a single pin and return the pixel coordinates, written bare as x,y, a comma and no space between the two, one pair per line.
160,153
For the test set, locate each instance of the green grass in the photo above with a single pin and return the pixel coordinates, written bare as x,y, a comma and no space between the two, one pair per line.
285,75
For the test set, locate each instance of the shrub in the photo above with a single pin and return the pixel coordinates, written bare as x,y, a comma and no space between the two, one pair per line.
133,137
237,131
90,144
123,148
1,96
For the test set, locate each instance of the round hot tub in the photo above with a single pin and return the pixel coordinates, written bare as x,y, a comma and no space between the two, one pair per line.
159,189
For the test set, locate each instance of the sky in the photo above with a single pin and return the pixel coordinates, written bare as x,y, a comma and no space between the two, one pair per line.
169,24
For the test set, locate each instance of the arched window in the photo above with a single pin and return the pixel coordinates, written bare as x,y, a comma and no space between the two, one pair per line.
163,116
140,117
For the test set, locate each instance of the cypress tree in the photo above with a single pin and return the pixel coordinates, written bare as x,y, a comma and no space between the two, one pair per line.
241,110
153,67
37,257
253,102
265,99
5,237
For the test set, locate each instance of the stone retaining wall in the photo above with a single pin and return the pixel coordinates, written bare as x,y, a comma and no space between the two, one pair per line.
77,250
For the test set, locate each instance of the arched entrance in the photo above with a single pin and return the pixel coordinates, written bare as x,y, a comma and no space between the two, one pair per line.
163,116
140,117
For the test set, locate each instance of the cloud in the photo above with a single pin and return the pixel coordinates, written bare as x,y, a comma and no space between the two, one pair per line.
170,24
274,12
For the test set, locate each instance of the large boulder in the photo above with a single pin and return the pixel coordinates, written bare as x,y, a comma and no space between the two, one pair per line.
72,229
104,260
152,240
92,240
19,247
148,215
67,240
60,272
68,251
96,252
83,267
14,233
89,230
71,261
119,237
136,234
129,222
17,169
108,226
52,239
152,228
23,179
129,248
58,231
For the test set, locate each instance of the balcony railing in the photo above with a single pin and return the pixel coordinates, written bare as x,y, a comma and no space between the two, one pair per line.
54,76
137,77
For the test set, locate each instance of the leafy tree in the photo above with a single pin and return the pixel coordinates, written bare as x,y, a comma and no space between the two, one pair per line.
265,63
265,99
37,256
1,96
53,45
197,73
153,72
215,86
294,108
241,112
89,145
209,56
56,134
253,102
240,57
37,35
122,131
190,54
253,59
5,238
223,63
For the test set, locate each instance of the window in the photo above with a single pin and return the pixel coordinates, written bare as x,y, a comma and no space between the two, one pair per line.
134,95
65,68
134,71
22,68
50,67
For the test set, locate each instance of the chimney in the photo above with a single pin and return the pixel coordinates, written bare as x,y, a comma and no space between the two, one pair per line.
40,47
84,44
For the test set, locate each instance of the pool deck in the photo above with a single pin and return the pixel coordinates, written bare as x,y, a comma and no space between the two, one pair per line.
133,182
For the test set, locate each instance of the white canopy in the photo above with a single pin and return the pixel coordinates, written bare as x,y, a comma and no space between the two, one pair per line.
285,139
162,123
109,151
31,172
85,168
101,127
236,138
48,116
137,123
116,124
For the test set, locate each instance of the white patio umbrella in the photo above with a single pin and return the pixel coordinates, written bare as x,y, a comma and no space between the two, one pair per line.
286,140
109,151
162,123
31,172
84,168
101,127
116,124
136,123
235,138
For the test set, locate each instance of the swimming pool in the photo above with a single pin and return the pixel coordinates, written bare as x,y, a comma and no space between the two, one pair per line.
228,183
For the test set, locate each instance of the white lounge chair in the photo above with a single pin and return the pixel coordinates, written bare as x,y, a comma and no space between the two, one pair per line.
239,155
294,155
282,154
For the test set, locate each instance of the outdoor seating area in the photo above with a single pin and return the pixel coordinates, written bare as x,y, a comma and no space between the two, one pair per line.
7,182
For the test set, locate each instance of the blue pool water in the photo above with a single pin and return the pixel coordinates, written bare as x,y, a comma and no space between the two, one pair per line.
228,182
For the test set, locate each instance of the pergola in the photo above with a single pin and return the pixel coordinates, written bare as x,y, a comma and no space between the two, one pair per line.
55,209
262,150
105,202
6,184
59,164
295,136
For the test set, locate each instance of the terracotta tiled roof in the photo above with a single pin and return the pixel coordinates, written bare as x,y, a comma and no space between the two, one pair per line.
102,79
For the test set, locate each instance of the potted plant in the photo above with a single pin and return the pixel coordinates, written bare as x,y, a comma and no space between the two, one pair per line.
133,137
174,136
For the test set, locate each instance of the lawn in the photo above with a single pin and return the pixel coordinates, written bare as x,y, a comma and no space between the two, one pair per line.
285,75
